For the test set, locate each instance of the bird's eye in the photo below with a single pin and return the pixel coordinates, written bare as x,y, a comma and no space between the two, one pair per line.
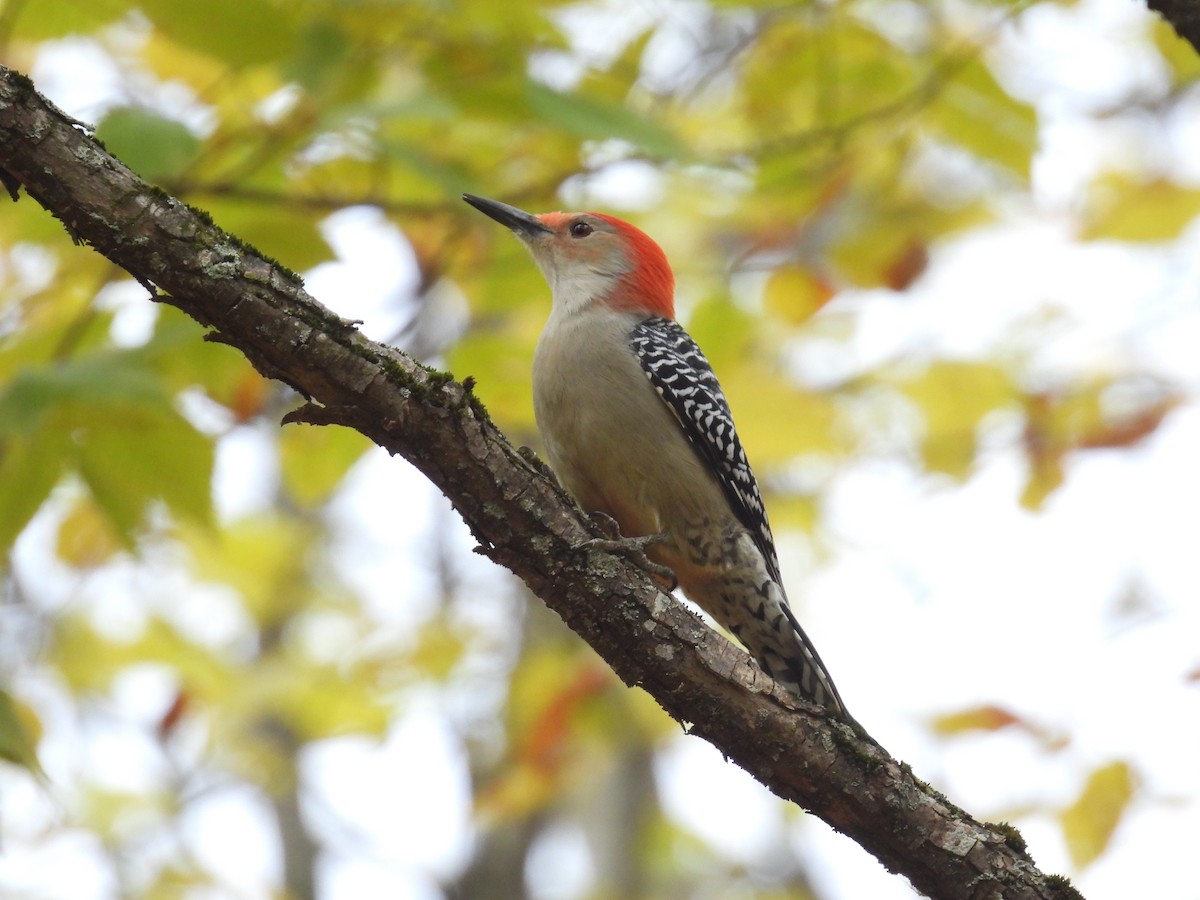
581,229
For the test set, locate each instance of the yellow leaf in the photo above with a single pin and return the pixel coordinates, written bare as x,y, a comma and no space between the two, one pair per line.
86,537
515,793
498,352
954,397
439,649
328,702
265,559
1045,477
1126,209
795,294
794,511
314,460
1089,823
723,330
885,243
172,61
311,701
779,421
111,812
987,717
978,718
1178,54
89,660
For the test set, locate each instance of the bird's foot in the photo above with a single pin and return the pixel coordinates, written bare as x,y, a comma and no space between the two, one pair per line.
632,548
606,523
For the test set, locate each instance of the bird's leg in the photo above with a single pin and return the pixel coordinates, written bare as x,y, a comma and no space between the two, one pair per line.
633,548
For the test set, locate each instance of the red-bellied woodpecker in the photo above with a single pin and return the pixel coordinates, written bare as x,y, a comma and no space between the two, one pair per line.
636,426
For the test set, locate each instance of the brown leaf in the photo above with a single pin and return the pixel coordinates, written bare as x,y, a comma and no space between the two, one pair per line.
551,730
908,265
1129,430
249,396
173,715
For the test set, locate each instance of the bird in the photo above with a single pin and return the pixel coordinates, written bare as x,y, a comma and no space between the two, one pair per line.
637,428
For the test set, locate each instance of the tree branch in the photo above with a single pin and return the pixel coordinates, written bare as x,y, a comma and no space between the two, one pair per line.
1184,17
519,516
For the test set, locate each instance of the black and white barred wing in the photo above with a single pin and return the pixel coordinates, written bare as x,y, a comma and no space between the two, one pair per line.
682,376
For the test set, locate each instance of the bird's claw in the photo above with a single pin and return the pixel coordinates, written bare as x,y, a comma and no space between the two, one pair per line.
606,523
632,548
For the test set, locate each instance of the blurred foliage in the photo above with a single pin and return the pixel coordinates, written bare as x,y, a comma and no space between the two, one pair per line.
1090,821
793,153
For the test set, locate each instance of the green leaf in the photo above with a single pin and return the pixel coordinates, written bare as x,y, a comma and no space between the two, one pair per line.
107,416
975,112
30,467
153,146
320,50
18,734
42,19
82,385
180,358
595,119
143,454
241,32
291,236
40,412
436,175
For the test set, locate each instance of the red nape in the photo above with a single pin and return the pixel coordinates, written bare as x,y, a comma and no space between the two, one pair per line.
651,284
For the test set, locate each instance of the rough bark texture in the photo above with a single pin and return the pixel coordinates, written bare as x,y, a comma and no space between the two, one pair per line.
518,515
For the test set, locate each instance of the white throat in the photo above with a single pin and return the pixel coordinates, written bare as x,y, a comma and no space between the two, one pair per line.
576,287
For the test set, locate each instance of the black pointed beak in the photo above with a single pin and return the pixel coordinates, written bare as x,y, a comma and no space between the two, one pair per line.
520,222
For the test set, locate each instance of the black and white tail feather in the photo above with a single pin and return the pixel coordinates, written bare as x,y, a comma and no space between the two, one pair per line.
683,378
